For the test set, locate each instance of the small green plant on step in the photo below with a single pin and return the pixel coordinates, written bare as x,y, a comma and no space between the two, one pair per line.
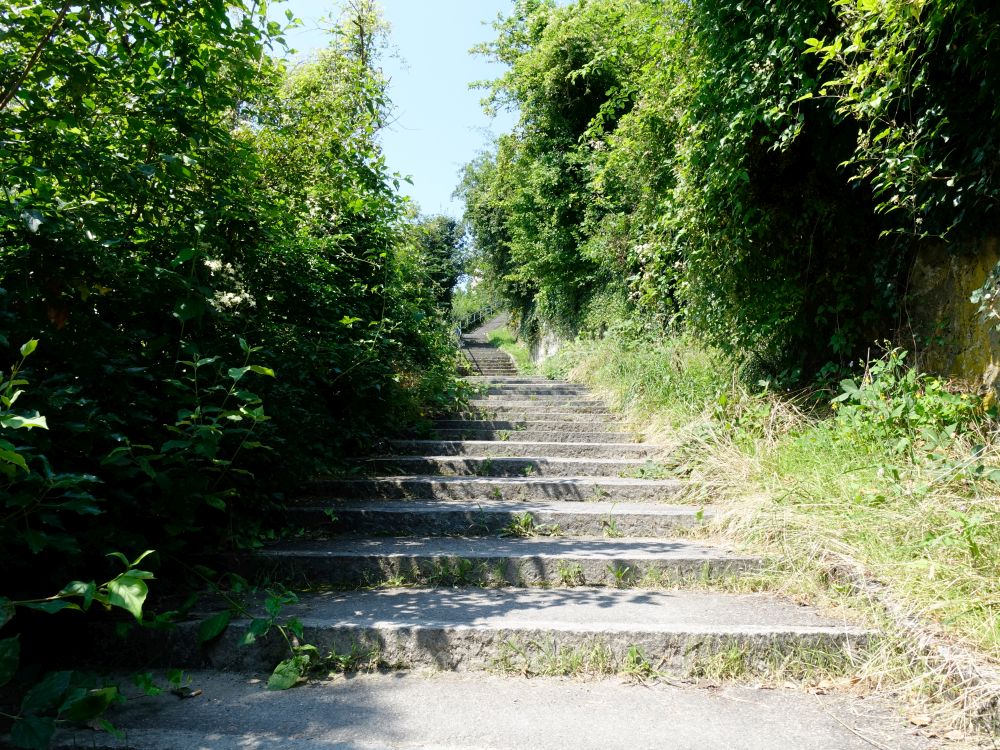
525,525
521,525
636,665
240,597
609,525
571,574
622,575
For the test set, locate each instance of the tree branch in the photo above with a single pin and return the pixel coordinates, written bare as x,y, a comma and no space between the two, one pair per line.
11,92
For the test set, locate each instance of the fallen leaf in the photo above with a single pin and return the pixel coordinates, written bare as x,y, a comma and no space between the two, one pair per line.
920,720
955,735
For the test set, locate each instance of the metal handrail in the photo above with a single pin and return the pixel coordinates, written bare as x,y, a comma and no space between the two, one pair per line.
477,317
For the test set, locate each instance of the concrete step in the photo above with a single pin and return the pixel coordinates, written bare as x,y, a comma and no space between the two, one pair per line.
454,711
536,390
487,517
348,562
612,489
519,630
596,424
512,379
542,436
525,416
517,447
522,466
500,405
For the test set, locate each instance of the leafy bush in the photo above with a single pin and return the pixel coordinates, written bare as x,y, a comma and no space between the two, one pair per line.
898,406
226,291
758,174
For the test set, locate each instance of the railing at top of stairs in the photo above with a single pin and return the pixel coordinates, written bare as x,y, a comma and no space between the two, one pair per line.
475,319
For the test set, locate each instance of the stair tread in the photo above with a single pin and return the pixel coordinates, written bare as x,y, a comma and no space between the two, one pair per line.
595,508
594,610
484,712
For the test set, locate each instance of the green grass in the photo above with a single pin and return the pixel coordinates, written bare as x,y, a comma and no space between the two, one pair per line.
505,340
805,484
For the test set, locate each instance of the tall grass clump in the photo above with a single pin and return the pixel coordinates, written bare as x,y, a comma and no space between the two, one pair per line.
892,468
505,340
669,381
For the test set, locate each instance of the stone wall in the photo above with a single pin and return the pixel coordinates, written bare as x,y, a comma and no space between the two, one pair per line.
943,325
548,343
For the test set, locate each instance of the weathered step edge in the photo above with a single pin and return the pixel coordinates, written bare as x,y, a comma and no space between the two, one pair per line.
490,570
500,488
519,448
506,466
525,649
488,518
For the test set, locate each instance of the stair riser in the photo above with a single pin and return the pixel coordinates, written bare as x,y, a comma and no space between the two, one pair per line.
533,436
514,448
514,390
492,415
389,489
489,522
499,467
348,572
504,406
501,380
518,425
536,402
522,650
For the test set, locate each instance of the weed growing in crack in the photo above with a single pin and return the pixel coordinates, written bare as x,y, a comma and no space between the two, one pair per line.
571,574
623,575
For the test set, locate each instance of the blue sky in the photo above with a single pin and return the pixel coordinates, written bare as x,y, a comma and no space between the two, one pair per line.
440,124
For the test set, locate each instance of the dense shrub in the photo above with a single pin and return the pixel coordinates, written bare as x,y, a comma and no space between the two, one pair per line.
220,275
759,173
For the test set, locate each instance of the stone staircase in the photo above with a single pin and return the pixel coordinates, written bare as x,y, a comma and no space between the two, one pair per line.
521,539
484,358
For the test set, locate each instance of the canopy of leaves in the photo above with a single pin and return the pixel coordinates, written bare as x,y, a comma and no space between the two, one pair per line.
760,173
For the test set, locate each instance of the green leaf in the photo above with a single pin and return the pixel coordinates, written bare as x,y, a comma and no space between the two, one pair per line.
33,732
52,606
10,457
214,625
214,501
10,657
46,696
238,372
849,387
89,705
257,629
29,347
17,422
7,611
128,593
142,557
189,309
288,673
85,591
262,370
36,540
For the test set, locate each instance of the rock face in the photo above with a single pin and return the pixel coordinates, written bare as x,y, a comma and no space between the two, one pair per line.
946,329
